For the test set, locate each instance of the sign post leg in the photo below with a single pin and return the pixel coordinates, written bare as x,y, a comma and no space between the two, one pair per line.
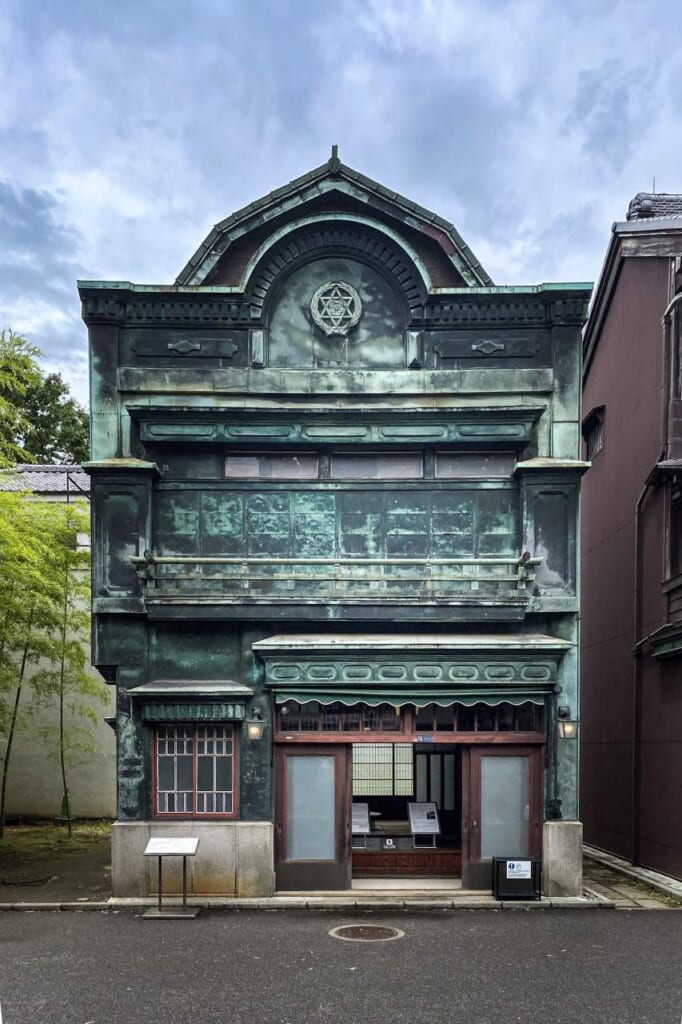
160,880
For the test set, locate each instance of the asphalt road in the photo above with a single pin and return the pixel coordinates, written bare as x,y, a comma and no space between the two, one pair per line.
599,966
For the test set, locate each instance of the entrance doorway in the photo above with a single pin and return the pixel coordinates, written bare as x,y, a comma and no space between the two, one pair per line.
392,778
502,813
441,790
312,845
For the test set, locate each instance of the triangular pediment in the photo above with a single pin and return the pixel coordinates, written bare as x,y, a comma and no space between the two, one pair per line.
335,193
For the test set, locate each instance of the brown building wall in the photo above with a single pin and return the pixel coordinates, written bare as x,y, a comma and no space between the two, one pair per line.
625,377
661,767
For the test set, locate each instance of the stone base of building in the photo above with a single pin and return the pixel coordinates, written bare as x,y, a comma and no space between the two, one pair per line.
235,858
562,858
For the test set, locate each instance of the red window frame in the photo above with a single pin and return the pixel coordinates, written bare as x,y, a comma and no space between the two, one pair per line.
195,727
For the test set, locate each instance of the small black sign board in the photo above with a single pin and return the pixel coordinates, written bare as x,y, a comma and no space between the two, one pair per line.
517,878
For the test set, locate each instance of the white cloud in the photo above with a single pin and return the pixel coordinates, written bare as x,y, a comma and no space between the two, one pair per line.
528,122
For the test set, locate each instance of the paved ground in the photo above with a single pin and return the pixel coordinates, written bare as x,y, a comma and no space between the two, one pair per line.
626,892
492,967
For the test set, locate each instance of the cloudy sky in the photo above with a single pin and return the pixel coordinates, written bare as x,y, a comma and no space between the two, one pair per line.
130,127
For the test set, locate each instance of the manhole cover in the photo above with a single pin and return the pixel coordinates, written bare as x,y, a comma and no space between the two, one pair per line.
366,933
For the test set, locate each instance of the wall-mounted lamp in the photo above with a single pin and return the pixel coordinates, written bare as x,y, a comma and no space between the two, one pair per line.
567,727
255,725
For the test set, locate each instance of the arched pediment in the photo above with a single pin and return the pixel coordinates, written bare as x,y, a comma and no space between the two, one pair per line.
233,241
342,236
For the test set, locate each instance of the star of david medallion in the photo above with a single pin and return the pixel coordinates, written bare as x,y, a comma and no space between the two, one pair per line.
336,307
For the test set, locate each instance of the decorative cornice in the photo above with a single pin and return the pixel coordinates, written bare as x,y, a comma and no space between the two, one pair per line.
194,309
461,426
497,310
443,310
417,672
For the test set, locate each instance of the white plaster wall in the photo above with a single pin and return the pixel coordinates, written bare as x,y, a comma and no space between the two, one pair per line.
34,786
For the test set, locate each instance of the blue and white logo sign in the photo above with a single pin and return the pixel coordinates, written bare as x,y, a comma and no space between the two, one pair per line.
518,869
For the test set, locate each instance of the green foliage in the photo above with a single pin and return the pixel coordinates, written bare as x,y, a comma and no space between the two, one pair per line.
19,371
58,429
44,626
39,420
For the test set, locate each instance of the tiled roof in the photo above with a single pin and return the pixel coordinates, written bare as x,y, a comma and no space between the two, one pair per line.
215,242
45,479
654,204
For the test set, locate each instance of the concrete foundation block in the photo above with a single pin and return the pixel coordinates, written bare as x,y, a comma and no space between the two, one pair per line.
255,859
562,858
234,858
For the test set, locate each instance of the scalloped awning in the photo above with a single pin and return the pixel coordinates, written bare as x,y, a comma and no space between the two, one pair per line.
398,698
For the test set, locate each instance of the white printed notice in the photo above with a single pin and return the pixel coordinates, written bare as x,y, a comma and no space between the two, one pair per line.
518,869
360,820
423,819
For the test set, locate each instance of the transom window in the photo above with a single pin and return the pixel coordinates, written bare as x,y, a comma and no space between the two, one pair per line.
194,770
377,466
337,717
481,717
368,465
272,467
474,465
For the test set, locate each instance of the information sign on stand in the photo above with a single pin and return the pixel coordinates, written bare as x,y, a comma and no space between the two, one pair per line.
180,847
360,826
423,822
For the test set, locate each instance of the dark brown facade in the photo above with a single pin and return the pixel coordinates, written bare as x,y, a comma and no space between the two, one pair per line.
631,664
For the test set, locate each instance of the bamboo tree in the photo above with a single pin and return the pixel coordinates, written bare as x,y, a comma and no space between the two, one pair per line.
63,678
29,596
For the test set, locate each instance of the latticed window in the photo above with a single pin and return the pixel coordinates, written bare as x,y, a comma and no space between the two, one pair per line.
382,769
194,770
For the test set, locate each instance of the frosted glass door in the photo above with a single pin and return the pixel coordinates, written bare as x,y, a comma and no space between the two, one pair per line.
311,808
505,808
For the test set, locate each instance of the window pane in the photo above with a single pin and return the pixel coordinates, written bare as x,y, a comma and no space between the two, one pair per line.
449,782
676,532
421,791
311,832
402,769
377,467
272,467
205,773
476,465
223,773
165,773
504,807
435,779
184,773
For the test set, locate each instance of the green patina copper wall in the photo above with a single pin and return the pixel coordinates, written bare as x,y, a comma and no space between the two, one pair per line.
194,564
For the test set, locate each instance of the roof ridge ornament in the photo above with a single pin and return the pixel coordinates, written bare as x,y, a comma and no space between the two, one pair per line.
334,162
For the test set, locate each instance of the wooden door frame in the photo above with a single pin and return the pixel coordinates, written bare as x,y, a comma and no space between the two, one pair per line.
477,873
315,874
